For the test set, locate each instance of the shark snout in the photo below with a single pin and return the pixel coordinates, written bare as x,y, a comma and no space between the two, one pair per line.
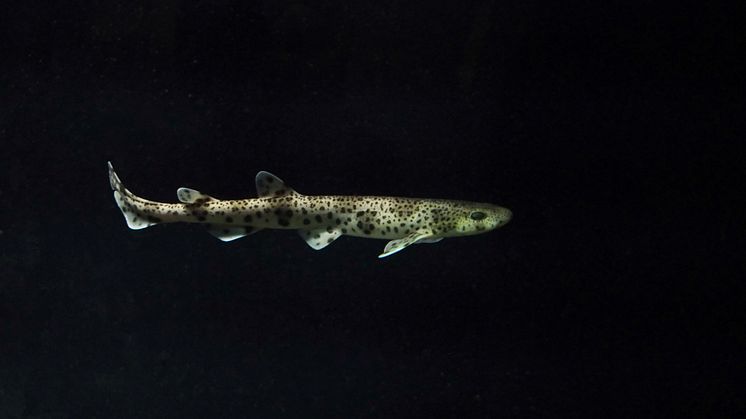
504,215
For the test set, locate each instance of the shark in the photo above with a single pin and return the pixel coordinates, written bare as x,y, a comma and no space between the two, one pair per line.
319,219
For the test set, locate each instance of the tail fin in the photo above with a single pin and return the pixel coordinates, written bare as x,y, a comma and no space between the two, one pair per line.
126,201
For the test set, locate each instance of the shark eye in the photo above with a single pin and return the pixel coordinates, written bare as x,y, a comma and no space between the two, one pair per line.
477,215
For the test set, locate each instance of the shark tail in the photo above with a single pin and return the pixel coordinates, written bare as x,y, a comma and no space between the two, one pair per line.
129,203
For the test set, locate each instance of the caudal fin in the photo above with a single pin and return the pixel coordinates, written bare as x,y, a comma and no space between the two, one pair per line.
126,201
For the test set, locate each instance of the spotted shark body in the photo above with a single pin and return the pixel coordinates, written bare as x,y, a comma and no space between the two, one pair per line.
320,220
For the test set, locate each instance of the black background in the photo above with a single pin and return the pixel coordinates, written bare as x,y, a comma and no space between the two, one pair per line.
604,127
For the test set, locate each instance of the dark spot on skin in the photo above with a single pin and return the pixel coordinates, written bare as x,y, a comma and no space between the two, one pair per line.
330,239
371,226
366,231
318,218
289,213
153,219
338,221
306,221
344,231
228,219
283,222
303,211
329,215
360,213
359,224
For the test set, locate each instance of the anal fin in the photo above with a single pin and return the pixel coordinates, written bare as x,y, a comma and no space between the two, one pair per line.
227,232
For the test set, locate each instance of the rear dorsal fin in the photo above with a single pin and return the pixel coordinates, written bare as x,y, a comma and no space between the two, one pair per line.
191,196
269,185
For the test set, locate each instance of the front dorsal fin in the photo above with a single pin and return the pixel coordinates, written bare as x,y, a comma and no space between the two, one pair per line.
191,196
269,185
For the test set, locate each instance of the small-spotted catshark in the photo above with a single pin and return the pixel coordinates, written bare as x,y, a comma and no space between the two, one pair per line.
319,219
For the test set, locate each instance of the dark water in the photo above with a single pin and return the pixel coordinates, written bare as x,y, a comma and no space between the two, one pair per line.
600,298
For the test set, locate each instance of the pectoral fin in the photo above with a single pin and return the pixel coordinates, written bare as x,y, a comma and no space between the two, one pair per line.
417,237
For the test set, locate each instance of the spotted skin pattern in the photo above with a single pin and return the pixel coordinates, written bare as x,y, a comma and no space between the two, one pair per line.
319,219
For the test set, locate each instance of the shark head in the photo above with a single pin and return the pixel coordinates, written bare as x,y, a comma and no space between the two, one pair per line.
476,218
